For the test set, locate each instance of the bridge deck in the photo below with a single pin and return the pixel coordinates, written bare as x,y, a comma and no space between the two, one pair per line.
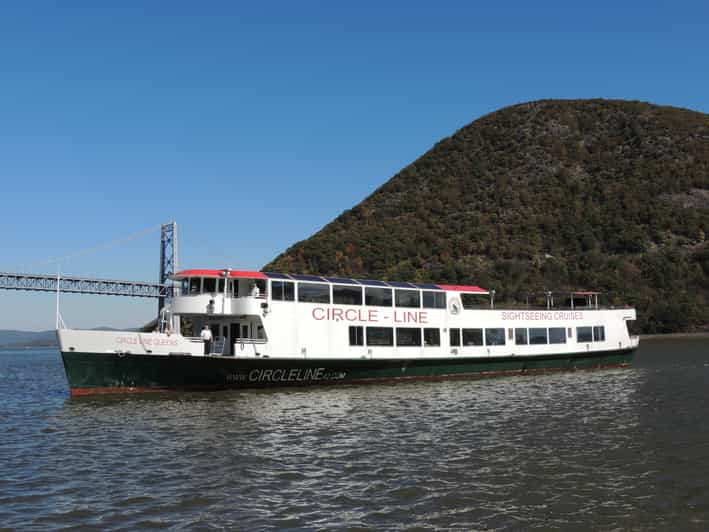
83,285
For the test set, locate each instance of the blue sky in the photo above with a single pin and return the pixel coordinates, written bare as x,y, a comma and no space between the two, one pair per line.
255,124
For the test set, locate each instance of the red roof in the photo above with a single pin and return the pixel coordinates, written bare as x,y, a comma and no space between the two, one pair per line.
462,288
219,273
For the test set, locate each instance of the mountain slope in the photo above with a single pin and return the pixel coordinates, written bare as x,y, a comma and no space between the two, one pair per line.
595,194
13,338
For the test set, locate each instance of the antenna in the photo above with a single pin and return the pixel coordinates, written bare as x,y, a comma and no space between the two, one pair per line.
59,324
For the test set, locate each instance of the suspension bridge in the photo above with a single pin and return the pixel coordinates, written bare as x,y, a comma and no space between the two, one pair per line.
110,287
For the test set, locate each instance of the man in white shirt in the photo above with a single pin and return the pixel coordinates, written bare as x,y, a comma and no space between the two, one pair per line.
254,290
206,336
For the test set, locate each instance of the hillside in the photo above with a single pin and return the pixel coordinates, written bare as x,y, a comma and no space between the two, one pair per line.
593,194
15,339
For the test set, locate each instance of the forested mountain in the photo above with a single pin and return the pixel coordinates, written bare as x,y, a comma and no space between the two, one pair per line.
573,194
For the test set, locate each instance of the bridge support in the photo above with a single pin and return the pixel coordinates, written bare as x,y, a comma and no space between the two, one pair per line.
168,257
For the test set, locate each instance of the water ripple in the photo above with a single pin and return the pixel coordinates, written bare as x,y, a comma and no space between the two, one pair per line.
612,450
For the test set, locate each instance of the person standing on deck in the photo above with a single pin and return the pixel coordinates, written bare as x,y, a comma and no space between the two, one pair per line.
206,336
255,290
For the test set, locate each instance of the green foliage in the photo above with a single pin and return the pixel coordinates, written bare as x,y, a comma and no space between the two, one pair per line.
584,194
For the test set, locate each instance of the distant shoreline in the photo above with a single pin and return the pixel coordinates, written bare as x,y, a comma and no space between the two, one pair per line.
671,336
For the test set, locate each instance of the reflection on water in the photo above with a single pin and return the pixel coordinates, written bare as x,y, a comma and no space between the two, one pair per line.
610,449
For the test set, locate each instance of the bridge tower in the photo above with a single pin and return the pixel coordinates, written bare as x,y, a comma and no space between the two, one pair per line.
168,257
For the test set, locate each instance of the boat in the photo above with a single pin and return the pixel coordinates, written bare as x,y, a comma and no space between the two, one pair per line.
278,330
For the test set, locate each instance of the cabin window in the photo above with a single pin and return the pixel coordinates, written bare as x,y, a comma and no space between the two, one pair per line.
584,334
431,337
433,299
282,291
209,285
195,285
454,337
471,301
356,335
494,336
521,337
407,298
220,285
346,295
314,292
599,334
261,284
381,336
472,337
185,286
537,336
557,335
408,337
377,297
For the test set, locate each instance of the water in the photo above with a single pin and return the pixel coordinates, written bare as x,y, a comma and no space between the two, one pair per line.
608,449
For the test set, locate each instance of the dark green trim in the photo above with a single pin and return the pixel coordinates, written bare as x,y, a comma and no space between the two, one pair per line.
108,371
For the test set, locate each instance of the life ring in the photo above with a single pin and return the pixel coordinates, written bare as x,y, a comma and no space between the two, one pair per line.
454,306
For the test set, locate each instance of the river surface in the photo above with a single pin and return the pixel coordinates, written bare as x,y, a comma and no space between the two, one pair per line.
603,450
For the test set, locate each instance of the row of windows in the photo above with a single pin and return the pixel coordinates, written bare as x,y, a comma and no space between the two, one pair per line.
409,336
405,336
352,295
492,336
541,335
591,334
198,285
214,285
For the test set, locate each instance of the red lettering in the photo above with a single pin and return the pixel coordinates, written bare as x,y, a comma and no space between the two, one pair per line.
337,314
372,315
349,314
320,311
423,317
396,317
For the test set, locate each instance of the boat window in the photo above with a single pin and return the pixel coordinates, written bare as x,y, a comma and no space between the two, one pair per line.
185,286
472,337
282,291
356,335
407,298
521,337
209,285
494,336
220,288
431,337
408,337
378,297
584,334
471,301
557,335
346,295
537,336
314,292
455,337
433,299
195,285
599,333
261,284
380,336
